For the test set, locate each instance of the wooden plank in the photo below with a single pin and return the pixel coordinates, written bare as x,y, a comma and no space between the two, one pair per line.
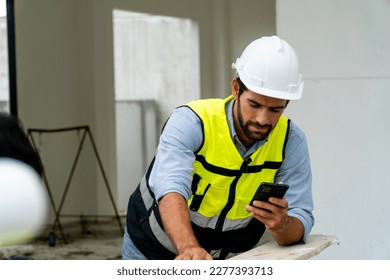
270,250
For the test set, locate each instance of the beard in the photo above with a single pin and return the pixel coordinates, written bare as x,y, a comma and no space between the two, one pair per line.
245,126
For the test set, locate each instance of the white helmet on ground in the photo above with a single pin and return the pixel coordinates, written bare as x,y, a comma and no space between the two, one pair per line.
23,202
269,66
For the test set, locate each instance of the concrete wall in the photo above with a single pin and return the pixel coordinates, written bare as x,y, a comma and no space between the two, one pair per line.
136,140
65,74
344,50
55,84
156,58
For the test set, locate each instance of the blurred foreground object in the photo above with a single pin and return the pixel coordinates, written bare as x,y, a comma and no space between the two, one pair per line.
23,202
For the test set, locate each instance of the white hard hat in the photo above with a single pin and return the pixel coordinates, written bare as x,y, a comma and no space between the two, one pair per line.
23,202
269,66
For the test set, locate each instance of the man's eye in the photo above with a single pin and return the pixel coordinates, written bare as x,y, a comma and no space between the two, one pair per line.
254,105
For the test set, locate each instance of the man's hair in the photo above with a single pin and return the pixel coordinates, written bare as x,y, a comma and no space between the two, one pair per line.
14,143
241,85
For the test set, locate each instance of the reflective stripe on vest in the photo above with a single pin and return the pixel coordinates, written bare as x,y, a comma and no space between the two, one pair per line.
151,205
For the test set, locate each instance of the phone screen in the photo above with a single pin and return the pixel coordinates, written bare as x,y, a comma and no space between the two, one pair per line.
267,190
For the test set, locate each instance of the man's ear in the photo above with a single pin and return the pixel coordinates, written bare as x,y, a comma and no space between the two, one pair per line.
235,88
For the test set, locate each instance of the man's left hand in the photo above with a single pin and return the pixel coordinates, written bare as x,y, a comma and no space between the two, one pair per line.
273,214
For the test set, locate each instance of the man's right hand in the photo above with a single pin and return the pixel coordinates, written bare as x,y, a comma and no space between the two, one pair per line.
177,224
193,253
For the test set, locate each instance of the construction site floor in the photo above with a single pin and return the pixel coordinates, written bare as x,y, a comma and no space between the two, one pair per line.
91,241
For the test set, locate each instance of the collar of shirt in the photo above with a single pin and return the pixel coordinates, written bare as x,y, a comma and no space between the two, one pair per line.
244,152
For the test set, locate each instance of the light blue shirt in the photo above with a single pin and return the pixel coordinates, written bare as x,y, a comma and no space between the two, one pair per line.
182,136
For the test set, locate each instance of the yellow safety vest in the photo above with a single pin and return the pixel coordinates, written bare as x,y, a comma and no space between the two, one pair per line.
223,182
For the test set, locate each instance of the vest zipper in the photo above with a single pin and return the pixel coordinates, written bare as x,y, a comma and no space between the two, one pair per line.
232,195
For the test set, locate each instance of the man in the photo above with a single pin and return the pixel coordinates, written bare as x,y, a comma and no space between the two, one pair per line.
193,202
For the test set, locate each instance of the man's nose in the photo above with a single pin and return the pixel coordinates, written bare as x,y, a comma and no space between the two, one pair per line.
262,116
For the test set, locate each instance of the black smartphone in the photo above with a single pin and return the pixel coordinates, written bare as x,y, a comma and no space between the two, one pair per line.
267,190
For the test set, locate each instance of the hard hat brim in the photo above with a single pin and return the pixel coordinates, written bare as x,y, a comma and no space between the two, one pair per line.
292,95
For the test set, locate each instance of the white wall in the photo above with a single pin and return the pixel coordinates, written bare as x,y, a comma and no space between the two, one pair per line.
344,50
